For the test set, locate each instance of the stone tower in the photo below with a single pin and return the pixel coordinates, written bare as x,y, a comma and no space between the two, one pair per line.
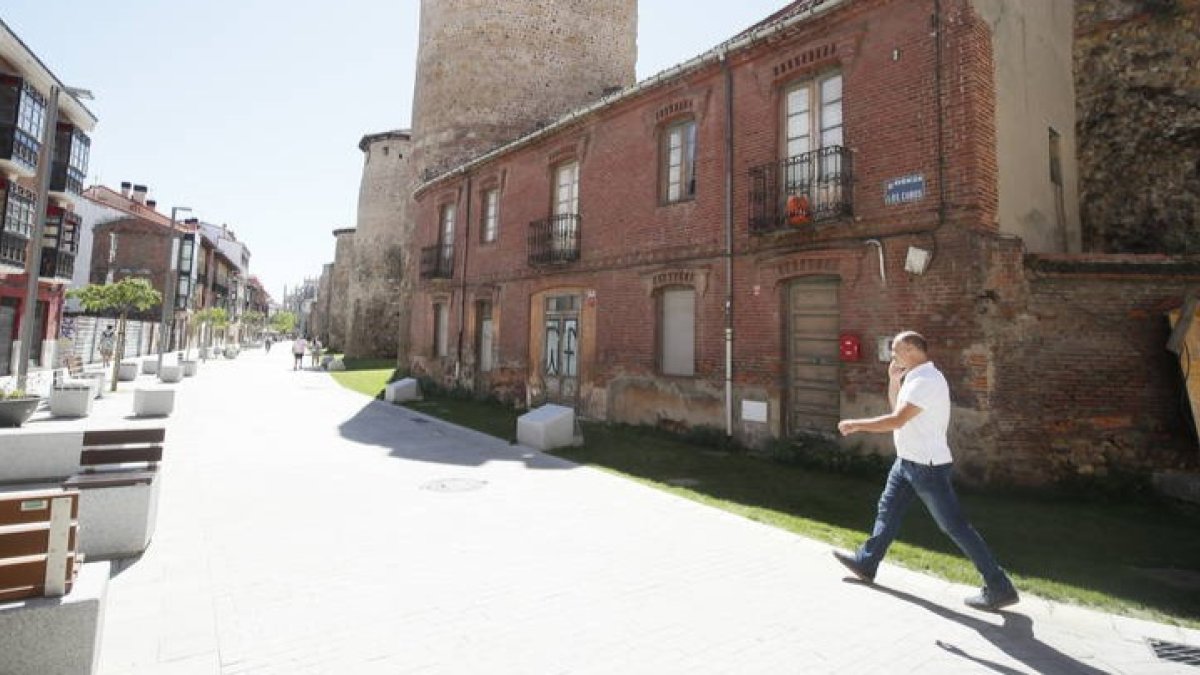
377,281
489,72
339,289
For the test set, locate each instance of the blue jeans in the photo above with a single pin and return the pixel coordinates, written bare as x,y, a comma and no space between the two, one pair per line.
933,485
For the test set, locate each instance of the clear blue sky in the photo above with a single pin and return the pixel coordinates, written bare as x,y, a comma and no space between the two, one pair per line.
250,111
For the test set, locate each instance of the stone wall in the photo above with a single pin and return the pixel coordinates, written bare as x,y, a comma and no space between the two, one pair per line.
377,288
1137,76
339,289
489,72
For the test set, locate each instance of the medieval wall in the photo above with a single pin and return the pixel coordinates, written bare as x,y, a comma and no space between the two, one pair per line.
377,283
339,289
489,72
1137,76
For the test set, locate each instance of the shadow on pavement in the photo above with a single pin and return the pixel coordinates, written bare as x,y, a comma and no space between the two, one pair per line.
1015,638
411,435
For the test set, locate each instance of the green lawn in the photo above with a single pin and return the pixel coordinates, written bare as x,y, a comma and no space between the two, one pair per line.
366,376
1136,558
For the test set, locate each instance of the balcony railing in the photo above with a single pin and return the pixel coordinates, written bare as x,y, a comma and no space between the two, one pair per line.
554,240
801,190
12,249
57,264
437,262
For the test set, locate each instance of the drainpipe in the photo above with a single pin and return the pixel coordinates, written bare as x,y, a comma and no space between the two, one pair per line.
940,111
462,310
728,244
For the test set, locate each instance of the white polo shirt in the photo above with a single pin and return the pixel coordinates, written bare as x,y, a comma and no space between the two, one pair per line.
923,439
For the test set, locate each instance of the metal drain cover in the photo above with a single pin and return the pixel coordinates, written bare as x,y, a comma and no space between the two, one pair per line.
454,485
1175,652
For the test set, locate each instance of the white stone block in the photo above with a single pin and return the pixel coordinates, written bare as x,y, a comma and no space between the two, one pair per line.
72,398
27,455
153,401
402,390
150,366
170,374
98,378
56,635
127,371
337,365
190,367
117,522
548,427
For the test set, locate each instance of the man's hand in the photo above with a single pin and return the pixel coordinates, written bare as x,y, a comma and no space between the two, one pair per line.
896,371
847,427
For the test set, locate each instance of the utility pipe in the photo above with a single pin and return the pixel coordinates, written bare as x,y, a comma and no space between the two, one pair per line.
728,243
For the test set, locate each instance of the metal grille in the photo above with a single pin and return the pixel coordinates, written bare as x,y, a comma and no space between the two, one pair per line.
1175,652
554,240
820,180
437,262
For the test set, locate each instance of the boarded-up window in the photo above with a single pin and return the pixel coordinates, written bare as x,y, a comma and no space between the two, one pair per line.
441,327
678,342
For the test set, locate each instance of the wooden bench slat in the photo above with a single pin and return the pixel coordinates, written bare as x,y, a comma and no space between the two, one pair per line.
123,436
109,479
121,455
16,543
19,507
29,571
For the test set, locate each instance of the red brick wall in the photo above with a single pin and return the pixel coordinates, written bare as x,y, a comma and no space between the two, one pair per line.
143,250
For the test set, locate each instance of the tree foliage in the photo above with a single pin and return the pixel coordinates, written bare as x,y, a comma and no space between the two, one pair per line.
127,295
283,321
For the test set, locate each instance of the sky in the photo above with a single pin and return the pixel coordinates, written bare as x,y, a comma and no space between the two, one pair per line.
250,111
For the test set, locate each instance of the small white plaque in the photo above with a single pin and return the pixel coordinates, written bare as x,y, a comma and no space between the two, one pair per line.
754,411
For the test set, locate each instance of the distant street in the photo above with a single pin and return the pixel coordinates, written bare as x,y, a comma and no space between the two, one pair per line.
304,528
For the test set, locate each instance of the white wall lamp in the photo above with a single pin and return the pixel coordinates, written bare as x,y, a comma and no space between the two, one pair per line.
917,260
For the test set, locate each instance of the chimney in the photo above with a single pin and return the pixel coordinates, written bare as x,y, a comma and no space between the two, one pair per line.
125,185
151,203
139,194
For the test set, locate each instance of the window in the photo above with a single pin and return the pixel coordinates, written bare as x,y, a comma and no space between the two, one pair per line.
566,189
814,115
678,157
491,215
18,215
678,331
1056,158
31,115
80,148
446,238
441,329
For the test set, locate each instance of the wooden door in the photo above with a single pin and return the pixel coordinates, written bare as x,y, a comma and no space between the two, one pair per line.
814,387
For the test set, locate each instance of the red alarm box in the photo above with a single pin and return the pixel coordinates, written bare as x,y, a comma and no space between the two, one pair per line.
849,347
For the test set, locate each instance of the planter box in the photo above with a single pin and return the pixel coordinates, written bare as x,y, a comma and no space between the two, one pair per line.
153,401
71,399
150,366
16,411
127,372
190,368
171,374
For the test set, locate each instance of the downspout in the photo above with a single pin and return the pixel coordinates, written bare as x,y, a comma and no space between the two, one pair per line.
462,310
728,243
940,112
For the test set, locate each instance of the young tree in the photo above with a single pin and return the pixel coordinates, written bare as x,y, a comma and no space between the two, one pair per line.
122,297
283,321
253,321
216,318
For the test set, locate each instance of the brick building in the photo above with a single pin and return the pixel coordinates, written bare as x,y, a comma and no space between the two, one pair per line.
731,242
25,86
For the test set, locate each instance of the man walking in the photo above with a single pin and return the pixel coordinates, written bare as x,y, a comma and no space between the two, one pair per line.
920,399
298,348
108,341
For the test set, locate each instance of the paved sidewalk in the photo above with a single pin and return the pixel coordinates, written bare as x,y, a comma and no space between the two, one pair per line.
306,529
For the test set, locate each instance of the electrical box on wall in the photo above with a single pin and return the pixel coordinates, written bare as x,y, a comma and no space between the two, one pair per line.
883,348
849,347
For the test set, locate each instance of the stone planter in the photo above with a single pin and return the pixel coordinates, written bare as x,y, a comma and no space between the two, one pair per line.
150,366
127,372
71,399
16,411
231,352
190,367
170,374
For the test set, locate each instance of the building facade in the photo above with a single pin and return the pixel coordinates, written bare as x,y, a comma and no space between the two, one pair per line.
732,242
26,112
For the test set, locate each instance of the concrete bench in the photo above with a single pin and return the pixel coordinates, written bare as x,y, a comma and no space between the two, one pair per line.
44,454
153,401
118,491
72,398
57,635
39,530
548,427
170,373
76,371
401,391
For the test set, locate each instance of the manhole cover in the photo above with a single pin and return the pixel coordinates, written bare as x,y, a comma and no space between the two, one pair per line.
454,485
1175,652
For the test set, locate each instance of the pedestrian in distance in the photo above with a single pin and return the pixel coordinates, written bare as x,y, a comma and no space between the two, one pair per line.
108,342
298,348
315,350
920,400
268,342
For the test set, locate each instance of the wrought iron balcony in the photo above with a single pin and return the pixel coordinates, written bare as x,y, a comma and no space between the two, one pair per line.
437,262
554,240
12,249
800,191
57,264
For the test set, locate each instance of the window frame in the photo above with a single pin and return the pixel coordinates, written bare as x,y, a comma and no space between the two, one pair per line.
489,223
556,202
689,130
814,86
441,337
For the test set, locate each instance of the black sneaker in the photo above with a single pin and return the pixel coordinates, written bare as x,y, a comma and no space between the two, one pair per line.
993,600
852,564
